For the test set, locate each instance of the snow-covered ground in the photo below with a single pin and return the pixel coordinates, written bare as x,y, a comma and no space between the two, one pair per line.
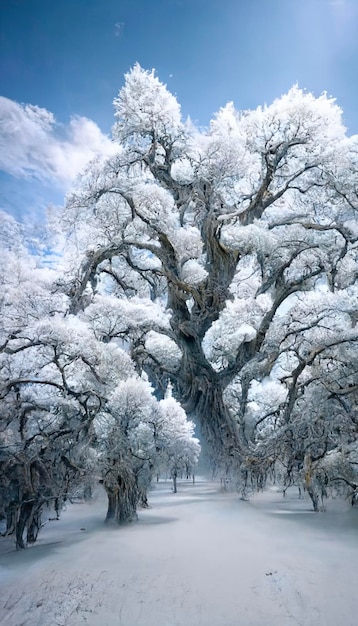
198,558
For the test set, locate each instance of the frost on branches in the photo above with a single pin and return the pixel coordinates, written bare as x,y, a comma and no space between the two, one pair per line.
73,408
221,261
228,258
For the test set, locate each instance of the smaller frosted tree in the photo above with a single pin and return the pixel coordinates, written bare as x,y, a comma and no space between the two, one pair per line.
180,449
126,447
137,436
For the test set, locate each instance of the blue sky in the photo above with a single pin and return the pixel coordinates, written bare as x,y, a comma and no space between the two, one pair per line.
69,57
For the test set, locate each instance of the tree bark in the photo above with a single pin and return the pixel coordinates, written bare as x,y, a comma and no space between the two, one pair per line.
175,475
24,516
34,524
309,482
122,494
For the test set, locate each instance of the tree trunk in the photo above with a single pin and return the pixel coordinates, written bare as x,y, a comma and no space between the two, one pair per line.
113,504
200,385
87,492
24,516
143,477
34,524
122,494
222,436
175,475
309,482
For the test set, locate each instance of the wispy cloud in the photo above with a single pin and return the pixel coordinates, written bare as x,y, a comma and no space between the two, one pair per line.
34,145
118,28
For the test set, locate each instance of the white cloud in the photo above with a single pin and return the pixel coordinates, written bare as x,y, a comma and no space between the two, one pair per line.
34,145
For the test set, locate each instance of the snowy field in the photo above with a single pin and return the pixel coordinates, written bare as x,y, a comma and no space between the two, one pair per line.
198,558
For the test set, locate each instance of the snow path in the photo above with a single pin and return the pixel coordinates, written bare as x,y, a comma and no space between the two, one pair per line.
198,558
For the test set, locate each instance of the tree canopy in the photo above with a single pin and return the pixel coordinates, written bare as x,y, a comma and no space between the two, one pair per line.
234,248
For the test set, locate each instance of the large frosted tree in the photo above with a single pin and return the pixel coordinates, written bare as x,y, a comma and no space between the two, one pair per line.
225,259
